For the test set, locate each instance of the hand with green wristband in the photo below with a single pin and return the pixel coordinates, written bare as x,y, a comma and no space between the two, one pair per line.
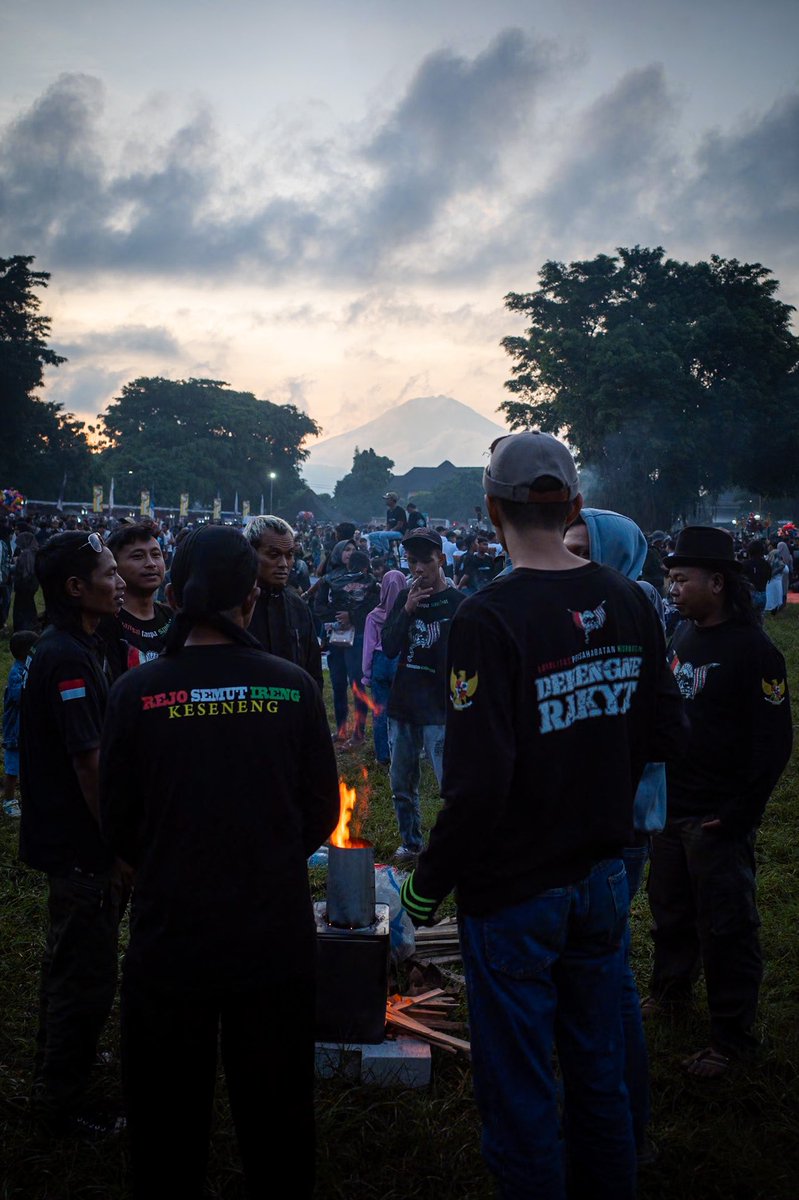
419,908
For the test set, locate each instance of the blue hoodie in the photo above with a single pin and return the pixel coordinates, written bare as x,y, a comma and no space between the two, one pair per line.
616,541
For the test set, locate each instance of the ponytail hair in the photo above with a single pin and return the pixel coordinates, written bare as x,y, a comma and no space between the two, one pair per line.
740,605
214,570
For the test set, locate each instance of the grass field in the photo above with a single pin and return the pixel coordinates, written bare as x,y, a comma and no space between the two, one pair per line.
738,1139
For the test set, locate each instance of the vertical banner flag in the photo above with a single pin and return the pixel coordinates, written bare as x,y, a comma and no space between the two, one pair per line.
144,504
245,510
217,513
184,504
111,499
97,499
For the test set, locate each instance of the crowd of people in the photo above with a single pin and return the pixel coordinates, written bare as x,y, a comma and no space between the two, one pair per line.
627,707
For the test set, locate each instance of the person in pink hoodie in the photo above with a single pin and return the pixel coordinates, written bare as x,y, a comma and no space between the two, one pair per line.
378,669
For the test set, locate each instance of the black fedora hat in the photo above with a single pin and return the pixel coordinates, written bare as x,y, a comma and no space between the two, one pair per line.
703,546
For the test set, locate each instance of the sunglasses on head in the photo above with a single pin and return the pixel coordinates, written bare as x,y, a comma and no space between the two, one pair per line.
95,541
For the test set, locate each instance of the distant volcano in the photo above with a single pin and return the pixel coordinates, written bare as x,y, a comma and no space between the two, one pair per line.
419,433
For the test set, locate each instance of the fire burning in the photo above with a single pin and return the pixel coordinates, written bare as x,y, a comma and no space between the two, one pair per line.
351,864
359,693
348,817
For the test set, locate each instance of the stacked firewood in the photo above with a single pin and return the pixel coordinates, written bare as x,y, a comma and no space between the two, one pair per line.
438,947
429,1016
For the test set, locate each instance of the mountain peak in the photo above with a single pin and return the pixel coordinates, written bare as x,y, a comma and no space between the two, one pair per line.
421,432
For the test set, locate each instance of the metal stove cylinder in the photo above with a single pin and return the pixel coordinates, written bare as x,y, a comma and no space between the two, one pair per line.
351,886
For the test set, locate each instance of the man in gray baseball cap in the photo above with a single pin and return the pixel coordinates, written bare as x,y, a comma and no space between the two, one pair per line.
560,667
521,460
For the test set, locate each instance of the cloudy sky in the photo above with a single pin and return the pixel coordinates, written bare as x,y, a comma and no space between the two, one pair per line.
325,202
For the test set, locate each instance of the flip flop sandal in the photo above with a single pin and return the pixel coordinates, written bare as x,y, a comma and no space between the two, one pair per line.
706,1064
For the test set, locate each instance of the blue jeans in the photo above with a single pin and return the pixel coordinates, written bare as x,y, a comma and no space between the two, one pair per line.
383,671
344,666
636,1056
385,539
549,971
406,742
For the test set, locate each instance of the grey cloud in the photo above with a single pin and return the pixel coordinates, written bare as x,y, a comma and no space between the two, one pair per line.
168,207
356,410
84,390
368,356
414,385
387,307
621,151
388,201
60,199
296,314
292,390
448,133
50,167
125,339
746,186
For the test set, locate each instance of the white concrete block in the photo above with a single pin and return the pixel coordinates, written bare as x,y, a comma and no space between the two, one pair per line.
403,1062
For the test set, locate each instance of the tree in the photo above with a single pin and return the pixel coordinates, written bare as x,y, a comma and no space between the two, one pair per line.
359,495
669,378
455,497
40,443
197,436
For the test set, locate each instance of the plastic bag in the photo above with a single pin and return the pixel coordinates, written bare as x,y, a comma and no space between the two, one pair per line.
388,881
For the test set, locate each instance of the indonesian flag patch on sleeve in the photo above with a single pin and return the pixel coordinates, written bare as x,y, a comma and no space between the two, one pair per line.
72,689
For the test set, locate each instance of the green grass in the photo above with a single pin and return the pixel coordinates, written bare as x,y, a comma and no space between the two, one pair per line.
738,1140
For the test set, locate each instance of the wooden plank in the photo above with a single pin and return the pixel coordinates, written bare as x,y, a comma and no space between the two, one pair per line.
446,1041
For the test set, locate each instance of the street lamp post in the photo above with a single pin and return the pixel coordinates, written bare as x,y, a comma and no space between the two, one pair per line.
271,489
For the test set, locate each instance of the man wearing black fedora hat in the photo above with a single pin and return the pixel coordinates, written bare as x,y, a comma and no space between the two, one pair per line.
702,875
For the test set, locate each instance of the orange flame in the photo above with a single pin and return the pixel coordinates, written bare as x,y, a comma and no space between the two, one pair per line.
342,836
359,693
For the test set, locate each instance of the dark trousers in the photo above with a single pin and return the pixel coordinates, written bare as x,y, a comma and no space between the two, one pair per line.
702,895
169,1065
344,664
79,975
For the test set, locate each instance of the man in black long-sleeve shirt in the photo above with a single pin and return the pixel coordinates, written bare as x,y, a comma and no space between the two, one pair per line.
560,669
237,786
702,876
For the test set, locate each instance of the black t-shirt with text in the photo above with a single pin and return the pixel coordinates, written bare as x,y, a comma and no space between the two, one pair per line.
218,779
558,693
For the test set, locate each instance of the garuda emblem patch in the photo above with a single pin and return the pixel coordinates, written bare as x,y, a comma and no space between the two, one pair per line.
462,689
773,690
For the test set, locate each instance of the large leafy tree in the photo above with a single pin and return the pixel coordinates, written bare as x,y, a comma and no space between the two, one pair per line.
40,444
671,379
359,495
198,436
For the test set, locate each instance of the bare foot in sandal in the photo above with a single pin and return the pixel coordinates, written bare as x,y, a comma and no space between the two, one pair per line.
706,1064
